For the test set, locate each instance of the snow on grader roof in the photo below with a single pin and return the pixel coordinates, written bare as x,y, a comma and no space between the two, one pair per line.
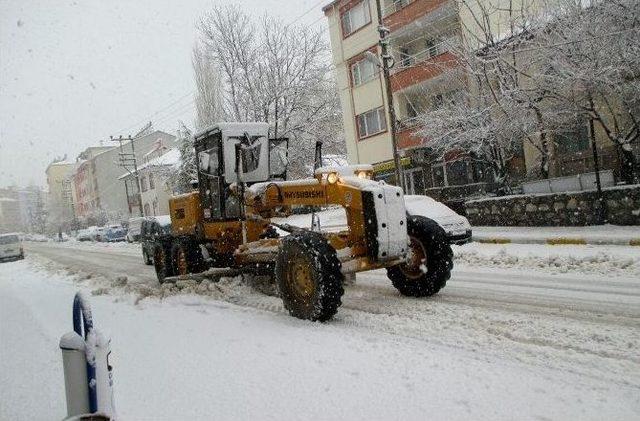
235,127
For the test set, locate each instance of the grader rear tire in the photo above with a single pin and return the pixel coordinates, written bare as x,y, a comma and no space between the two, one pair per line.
186,257
162,261
308,276
430,268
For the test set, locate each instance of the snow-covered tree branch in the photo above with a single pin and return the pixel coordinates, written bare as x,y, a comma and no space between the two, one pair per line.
553,69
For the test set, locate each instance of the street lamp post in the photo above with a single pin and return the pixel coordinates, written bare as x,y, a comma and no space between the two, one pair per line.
386,64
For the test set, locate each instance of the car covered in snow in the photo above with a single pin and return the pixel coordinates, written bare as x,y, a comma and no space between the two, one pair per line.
134,227
84,235
153,228
11,247
114,234
456,227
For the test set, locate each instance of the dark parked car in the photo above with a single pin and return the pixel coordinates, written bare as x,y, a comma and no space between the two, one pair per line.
114,234
151,229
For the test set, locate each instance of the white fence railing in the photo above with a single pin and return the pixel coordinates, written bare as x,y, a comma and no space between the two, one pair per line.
580,182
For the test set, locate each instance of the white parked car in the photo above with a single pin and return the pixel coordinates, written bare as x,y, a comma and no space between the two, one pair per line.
456,227
11,247
133,233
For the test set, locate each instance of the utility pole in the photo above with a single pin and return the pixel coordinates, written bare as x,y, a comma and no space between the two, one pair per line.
602,210
126,160
387,64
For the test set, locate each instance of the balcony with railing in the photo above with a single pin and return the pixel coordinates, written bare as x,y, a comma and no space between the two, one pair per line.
430,95
399,13
424,51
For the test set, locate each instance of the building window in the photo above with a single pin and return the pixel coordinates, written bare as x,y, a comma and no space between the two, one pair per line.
355,18
414,181
363,71
147,210
457,173
143,183
405,57
151,182
439,175
371,122
573,141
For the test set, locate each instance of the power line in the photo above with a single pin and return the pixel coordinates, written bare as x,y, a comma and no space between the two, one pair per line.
150,117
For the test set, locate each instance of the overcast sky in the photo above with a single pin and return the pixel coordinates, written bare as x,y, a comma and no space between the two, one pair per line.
74,72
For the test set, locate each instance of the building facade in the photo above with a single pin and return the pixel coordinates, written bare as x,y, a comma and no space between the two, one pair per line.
98,191
423,37
153,173
23,210
60,197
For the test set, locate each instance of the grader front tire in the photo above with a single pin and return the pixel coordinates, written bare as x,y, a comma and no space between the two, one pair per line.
432,260
308,276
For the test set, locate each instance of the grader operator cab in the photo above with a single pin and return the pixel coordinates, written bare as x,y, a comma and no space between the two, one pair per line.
241,186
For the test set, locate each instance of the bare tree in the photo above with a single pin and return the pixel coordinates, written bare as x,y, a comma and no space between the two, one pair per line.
593,71
276,73
557,65
208,98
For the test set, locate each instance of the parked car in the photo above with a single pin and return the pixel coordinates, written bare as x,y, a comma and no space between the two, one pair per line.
135,225
456,226
11,247
38,238
114,234
84,235
151,229
98,234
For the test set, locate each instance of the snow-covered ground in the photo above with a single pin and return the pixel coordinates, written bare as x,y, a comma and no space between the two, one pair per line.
600,234
501,341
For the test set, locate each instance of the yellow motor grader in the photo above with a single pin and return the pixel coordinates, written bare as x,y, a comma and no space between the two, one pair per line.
227,223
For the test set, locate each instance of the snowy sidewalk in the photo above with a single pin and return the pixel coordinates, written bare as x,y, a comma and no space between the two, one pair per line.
604,234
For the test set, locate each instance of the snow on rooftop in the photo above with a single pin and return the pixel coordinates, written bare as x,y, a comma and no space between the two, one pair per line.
170,159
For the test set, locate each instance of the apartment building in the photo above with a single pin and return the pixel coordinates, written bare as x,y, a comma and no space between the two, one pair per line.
153,172
98,190
21,209
60,200
423,35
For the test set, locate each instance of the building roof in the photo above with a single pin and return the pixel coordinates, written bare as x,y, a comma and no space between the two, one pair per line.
325,8
169,159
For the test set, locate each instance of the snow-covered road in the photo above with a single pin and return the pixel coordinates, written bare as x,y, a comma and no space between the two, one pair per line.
500,342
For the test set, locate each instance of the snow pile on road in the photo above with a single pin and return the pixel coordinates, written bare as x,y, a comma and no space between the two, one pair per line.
101,246
610,261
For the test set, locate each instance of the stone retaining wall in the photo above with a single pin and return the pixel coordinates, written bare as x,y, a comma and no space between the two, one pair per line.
557,209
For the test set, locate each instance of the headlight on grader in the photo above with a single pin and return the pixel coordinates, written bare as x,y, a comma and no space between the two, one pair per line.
332,178
363,175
